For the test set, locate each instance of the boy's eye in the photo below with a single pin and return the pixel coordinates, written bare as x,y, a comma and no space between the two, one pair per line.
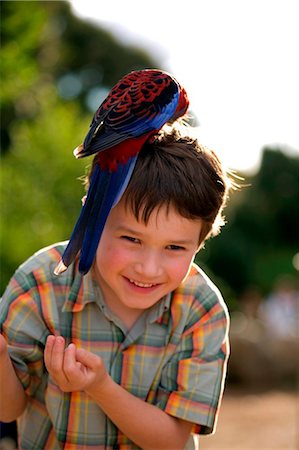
130,239
175,247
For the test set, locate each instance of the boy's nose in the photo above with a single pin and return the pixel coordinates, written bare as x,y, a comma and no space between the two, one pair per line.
149,265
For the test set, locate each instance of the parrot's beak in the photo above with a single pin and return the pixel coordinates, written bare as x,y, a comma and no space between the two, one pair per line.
78,150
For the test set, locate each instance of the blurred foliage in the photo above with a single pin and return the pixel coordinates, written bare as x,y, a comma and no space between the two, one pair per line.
55,70
44,43
260,239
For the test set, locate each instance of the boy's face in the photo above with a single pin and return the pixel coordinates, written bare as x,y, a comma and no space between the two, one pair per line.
137,264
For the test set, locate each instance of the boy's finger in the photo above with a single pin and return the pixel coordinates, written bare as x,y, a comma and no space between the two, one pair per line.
69,361
57,355
48,351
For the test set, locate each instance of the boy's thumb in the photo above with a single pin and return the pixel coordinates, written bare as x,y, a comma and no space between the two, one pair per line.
88,359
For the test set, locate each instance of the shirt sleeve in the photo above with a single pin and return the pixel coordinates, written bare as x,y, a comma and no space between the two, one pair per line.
24,330
192,382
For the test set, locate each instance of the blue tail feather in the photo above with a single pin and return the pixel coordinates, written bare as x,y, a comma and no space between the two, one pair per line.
107,195
76,239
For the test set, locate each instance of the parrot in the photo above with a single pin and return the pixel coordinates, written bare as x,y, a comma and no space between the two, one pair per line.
135,109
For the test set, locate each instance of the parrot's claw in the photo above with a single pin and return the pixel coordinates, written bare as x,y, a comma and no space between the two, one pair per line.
78,150
60,268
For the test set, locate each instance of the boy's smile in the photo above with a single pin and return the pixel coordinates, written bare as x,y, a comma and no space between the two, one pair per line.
137,264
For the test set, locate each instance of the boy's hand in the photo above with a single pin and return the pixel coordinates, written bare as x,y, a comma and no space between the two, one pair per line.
73,369
10,387
3,347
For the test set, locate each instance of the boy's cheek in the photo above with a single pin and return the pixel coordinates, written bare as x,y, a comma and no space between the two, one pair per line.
182,269
111,257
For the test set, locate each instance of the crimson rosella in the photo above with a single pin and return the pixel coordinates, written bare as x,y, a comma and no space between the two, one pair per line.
134,110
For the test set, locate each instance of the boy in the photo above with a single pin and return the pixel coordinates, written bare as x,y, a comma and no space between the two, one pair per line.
133,354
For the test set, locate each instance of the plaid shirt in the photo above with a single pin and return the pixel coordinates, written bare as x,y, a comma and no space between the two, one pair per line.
174,357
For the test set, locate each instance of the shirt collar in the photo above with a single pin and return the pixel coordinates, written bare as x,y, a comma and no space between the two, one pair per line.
82,290
156,312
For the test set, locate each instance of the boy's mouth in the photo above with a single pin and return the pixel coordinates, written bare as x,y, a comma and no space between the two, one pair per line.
142,285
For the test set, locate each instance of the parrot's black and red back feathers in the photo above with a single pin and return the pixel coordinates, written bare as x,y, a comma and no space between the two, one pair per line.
141,103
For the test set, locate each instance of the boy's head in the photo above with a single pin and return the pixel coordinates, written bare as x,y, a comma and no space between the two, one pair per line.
175,171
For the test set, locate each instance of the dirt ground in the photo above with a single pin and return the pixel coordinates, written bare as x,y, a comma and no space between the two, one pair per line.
263,421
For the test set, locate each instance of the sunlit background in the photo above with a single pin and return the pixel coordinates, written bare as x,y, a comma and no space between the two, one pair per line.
238,62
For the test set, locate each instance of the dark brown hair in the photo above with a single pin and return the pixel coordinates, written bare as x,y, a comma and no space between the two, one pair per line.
173,169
